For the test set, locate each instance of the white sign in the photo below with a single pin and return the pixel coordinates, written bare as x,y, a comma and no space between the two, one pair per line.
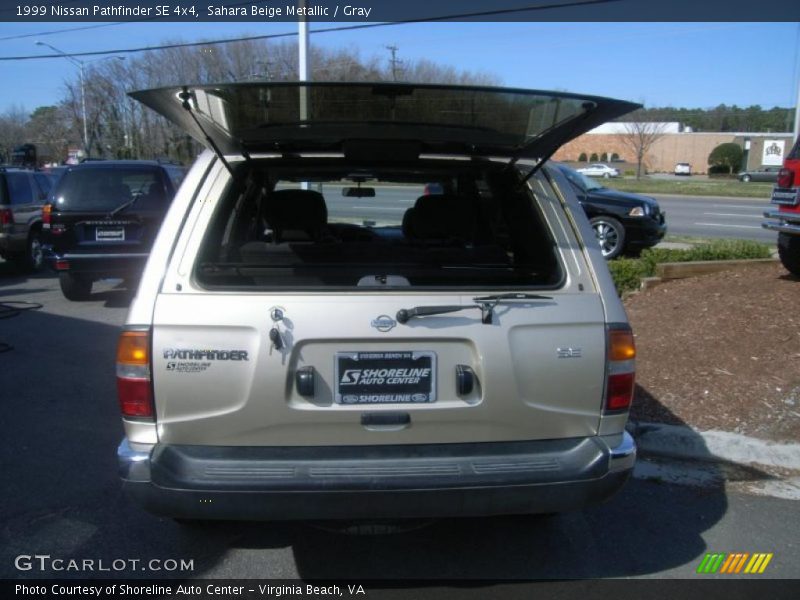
773,152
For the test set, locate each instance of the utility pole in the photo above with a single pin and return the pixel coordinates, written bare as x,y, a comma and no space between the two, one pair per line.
394,61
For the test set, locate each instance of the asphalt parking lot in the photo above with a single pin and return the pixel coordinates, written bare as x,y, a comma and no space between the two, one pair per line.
61,496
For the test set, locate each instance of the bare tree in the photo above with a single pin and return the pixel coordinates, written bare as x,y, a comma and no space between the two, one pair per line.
12,131
120,127
640,136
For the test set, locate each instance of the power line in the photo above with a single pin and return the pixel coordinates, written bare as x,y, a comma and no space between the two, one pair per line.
452,17
55,31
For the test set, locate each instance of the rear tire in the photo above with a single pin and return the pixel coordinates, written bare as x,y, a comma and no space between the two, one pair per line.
75,288
746,178
789,252
32,260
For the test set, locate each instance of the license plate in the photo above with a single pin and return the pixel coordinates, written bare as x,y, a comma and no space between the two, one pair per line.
109,234
385,377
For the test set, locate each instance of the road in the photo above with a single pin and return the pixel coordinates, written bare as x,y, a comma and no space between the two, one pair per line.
61,497
717,217
696,216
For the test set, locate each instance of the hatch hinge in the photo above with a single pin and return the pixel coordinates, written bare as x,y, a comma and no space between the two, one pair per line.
185,96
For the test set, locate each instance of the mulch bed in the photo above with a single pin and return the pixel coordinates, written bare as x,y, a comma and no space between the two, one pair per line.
721,351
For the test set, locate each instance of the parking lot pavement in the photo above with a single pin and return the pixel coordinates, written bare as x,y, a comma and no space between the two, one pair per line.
61,496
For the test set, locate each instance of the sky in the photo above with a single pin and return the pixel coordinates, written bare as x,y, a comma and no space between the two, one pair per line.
659,64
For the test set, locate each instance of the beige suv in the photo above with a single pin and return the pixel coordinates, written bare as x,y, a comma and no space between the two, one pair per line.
315,337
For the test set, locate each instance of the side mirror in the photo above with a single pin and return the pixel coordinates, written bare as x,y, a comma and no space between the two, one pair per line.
358,192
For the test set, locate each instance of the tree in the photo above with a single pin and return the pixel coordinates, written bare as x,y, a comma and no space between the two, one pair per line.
593,157
604,157
728,155
582,157
12,131
640,136
48,129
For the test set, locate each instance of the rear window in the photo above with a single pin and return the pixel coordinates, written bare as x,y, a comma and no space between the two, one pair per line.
19,188
327,226
104,189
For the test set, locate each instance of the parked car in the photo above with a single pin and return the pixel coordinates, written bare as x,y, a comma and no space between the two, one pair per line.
622,222
786,219
683,169
102,219
22,195
761,174
599,170
284,360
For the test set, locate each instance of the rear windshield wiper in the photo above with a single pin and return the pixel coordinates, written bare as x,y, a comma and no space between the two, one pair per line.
123,206
485,303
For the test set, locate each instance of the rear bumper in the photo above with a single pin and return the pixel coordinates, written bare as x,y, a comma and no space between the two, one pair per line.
100,265
438,480
782,221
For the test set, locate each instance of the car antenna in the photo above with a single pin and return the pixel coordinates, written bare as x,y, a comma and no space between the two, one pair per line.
185,96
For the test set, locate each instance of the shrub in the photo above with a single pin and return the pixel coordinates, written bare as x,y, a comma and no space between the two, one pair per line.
582,157
728,155
614,157
593,157
628,273
604,157
629,173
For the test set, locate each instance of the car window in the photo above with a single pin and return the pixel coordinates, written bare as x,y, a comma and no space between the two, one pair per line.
44,182
580,180
106,188
483,231
19,188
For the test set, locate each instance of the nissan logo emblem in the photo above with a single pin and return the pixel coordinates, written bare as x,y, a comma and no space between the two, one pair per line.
383,323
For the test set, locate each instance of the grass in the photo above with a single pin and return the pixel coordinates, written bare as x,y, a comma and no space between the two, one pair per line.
629,272
691,187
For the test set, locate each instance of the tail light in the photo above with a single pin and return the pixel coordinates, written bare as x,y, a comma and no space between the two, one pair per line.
621,369
47,214
6,216
134,387
785,178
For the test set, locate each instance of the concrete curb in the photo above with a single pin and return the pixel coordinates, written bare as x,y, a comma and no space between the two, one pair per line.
675,441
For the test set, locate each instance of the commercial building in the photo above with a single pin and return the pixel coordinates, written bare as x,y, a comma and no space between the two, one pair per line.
676,144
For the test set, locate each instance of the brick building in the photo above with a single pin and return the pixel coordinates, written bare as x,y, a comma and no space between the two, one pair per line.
678,145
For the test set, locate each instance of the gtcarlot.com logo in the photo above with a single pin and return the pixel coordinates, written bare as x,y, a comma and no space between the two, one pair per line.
47,563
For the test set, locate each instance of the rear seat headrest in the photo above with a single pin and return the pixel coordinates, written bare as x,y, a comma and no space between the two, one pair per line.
296,214
439,217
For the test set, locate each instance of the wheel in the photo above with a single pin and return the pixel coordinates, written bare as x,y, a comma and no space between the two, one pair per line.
33,257
606,175
75,288
610,234
35,252
789,252
746,178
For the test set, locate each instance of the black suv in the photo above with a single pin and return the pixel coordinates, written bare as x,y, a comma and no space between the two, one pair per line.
103,217
22,195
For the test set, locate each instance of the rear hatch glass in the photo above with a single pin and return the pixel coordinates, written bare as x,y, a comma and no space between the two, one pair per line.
105,189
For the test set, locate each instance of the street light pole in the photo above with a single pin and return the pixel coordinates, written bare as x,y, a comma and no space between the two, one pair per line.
80,64
83,110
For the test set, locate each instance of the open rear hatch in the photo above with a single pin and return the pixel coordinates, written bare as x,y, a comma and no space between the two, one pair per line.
245,118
